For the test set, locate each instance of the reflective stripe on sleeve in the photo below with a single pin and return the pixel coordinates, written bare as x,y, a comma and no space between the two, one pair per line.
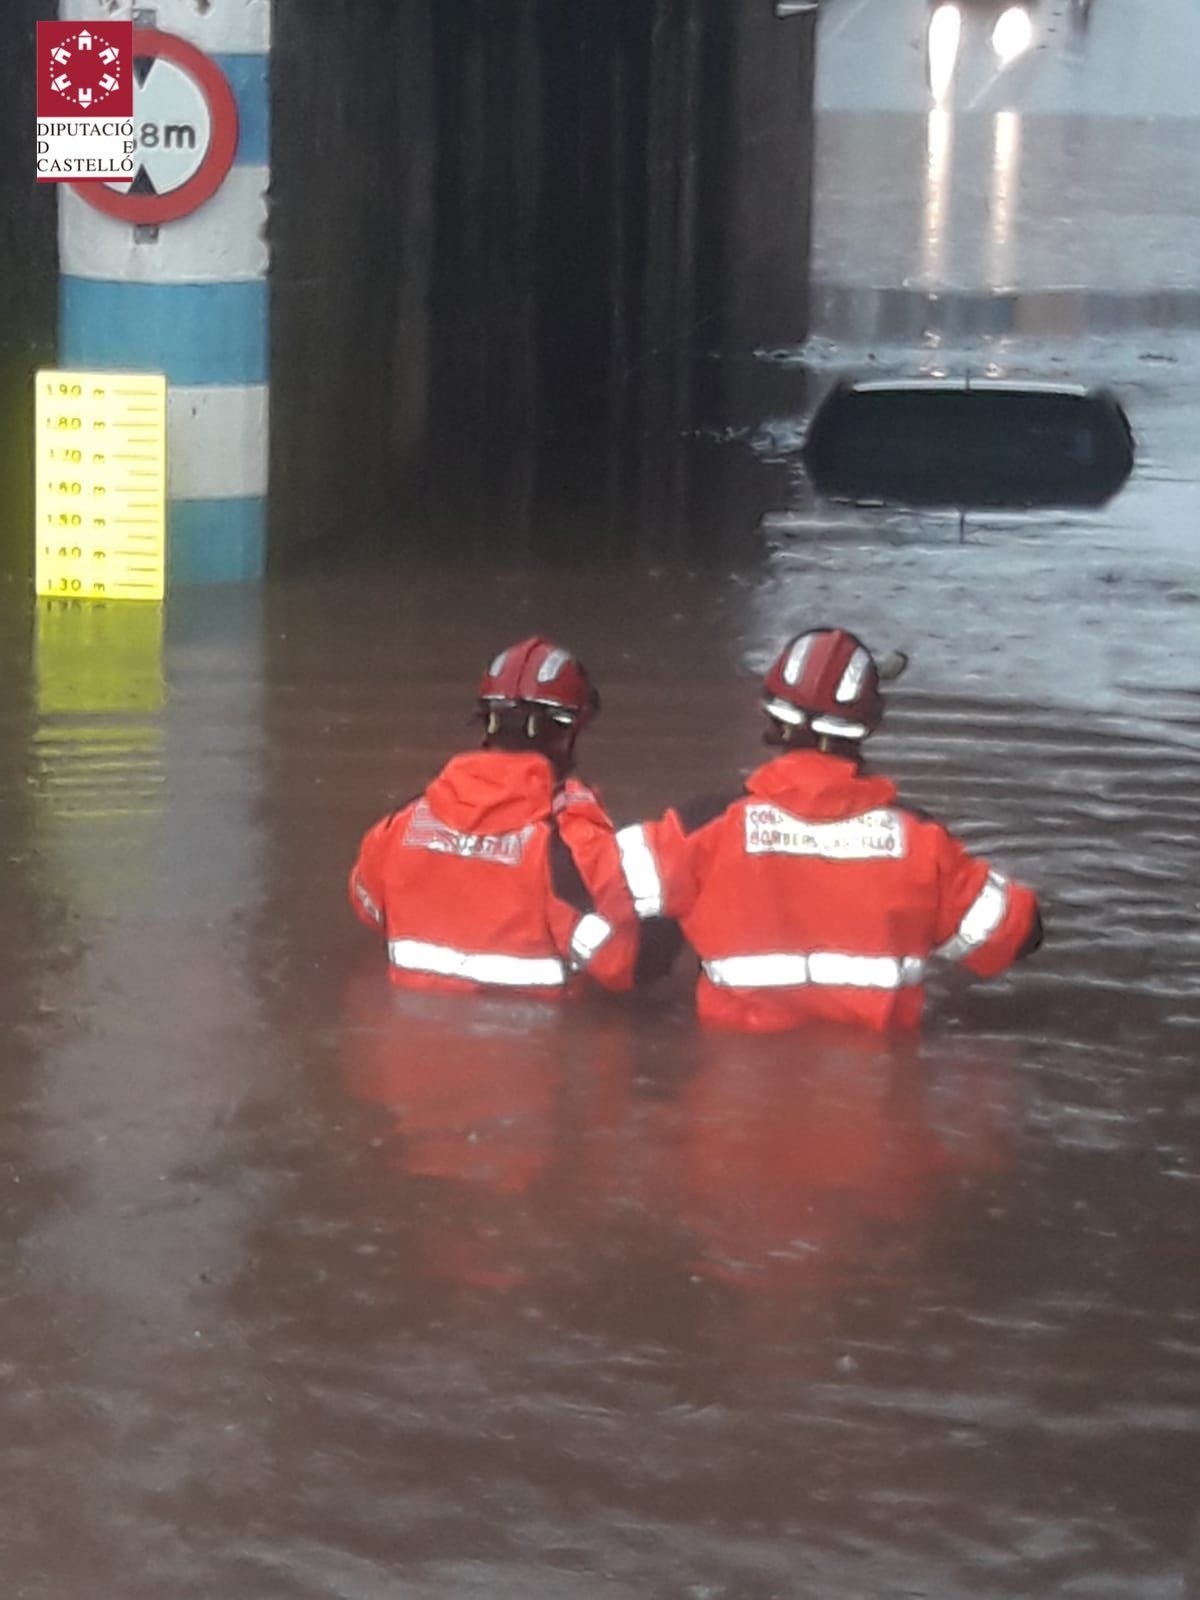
591,932
985,915
641,871
368,905
823,968
514,972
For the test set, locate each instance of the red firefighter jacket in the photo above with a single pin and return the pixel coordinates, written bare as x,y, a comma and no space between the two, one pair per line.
814,895
498,877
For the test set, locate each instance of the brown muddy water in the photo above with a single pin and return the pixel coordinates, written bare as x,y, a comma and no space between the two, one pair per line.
311,1290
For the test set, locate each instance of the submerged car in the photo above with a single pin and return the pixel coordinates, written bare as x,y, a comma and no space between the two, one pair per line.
969,443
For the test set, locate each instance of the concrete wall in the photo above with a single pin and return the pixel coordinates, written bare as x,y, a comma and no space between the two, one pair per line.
527,247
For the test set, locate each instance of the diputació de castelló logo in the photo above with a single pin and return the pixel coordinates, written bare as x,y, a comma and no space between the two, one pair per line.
85,102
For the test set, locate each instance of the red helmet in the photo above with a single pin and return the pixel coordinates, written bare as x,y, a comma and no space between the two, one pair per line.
537,672
828,680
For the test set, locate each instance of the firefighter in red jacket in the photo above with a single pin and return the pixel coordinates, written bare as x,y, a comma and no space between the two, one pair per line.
813,894
504,874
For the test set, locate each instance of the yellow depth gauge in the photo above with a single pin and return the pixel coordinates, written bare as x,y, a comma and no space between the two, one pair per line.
101,485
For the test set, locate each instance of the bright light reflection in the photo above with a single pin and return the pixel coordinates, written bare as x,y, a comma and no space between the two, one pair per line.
1012,35
945,31
938,149
1006,160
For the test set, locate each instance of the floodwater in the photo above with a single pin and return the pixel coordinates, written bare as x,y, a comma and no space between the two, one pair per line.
311,1289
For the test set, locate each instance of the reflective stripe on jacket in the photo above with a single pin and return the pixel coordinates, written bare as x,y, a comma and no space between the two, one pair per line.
814,895
497,877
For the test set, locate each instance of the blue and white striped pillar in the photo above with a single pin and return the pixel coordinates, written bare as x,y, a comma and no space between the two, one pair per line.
191,302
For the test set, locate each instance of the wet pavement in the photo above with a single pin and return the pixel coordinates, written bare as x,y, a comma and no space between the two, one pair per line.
313,1290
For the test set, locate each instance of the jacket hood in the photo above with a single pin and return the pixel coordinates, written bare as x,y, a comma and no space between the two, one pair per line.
817,787
492,791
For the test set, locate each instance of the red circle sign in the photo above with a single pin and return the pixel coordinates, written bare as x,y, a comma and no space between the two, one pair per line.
215,161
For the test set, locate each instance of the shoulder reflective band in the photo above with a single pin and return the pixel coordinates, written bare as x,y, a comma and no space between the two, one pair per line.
591,931
641,871
985,915
510,972
365,901
826,968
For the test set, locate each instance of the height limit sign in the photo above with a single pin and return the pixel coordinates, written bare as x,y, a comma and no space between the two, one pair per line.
182,132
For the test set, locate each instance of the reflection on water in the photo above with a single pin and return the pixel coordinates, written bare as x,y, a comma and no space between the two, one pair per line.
939,150
322,1289
99,744
498,1116
140,850
96,659
1006,169
811,1163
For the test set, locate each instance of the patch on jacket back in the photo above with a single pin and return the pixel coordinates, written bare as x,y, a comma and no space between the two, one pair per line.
426,832
577,795
876,834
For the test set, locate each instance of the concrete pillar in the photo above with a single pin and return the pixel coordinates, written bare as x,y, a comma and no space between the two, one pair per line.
190,298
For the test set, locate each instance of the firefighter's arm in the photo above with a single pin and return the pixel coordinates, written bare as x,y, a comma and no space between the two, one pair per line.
366,876
643,948
589,915
664,865
656,863
665,862
607,952
599,933
985,920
